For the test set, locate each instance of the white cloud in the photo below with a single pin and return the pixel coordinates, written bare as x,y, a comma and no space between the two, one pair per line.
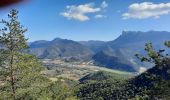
80,12
104,4
147,10
100,16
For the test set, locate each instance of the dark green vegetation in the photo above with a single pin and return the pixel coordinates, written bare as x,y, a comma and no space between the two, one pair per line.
151,85
100,85
103,75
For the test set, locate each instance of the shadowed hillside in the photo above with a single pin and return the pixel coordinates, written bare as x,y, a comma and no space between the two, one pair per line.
130,43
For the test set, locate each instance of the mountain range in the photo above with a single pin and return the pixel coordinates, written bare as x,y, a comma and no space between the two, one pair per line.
117,54
59,48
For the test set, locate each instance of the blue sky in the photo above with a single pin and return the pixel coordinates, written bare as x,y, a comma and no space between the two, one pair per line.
90,19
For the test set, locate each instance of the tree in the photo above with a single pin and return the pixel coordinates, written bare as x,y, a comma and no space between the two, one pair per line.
158,58
159,75
21,75
18,71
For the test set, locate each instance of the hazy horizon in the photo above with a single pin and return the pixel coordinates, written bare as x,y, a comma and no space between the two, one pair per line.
92,39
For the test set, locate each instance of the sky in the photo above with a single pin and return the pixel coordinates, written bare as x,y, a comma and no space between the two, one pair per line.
83,20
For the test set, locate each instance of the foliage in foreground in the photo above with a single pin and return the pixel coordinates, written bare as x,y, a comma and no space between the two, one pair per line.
21,75
151,85
100,85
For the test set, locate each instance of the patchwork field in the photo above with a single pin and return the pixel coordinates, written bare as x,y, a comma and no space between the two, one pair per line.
74,70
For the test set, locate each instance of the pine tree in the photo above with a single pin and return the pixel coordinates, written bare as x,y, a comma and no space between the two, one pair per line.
19,72
158,58
21,75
